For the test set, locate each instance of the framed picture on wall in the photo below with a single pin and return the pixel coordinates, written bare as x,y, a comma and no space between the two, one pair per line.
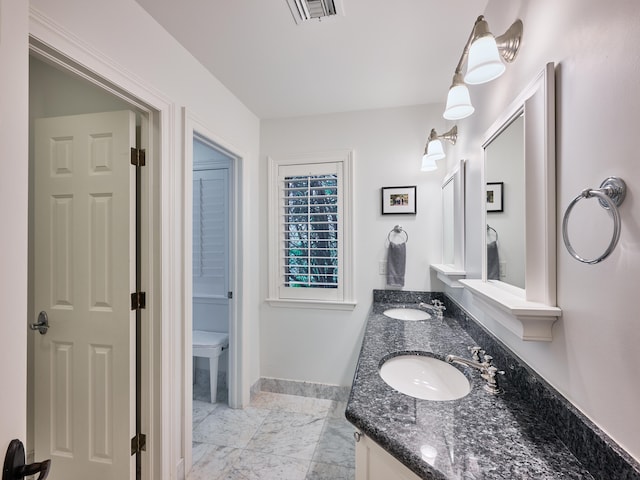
495,197
399,200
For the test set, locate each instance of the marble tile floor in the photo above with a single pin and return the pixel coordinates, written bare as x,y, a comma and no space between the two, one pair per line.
278,437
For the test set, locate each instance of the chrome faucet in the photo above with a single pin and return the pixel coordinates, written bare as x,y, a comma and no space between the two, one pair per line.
487,370
436,305
439,307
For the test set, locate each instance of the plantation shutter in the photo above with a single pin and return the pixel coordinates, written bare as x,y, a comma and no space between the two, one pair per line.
210,232
310,231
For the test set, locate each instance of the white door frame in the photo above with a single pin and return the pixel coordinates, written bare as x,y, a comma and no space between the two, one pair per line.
161,260
14,215
238,351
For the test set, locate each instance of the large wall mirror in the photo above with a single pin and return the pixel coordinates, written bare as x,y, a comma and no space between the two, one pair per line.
519,225
453,237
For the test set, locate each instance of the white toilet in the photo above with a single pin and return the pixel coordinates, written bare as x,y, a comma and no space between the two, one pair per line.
210,345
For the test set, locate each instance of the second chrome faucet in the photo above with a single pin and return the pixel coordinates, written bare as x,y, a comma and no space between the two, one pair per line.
487,370
437,306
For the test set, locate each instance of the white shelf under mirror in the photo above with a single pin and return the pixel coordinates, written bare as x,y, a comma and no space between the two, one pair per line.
449,274
509,307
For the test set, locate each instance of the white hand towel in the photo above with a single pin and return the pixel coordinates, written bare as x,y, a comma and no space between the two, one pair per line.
493,261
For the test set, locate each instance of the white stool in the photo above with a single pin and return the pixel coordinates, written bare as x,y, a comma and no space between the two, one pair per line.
210,345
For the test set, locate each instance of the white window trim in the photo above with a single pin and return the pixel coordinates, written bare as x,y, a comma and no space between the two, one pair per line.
345,158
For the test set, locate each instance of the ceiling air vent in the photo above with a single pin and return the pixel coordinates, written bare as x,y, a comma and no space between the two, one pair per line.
304,10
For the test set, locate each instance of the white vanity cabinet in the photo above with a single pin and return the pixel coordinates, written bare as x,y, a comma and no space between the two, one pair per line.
375,463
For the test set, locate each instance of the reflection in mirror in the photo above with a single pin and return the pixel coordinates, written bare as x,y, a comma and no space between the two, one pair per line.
453,218
447,222
452,267
505,200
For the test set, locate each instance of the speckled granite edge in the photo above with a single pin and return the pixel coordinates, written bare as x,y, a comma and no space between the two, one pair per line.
401,296
602,456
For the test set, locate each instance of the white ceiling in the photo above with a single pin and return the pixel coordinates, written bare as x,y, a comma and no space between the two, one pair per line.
379,54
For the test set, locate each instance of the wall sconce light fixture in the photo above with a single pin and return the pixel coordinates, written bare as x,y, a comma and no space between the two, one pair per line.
484,55
434,150
458,100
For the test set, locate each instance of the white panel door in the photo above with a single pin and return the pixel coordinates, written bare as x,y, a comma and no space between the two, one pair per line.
84,275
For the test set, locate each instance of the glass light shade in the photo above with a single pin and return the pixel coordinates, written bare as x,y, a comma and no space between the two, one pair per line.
458,103
484,63
428,164
435,150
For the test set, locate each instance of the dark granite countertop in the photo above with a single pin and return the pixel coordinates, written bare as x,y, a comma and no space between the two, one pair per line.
479,436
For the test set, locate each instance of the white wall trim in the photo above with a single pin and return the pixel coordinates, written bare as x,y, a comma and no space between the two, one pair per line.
162,260
14,217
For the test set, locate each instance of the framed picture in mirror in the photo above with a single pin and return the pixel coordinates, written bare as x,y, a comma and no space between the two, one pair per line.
495,197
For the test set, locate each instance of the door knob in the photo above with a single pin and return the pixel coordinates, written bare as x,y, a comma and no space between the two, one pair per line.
43,323
14,467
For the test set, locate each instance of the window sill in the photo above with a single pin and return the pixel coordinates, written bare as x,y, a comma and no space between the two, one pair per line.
528,320
324,305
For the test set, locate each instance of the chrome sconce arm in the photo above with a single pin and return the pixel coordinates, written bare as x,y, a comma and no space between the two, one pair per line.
509,42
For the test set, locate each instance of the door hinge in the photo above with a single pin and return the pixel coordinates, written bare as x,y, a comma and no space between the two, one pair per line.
138,157
229,295
138,443
138,300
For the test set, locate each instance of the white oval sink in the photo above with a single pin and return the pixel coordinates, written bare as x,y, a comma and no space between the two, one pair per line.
407,314
424,377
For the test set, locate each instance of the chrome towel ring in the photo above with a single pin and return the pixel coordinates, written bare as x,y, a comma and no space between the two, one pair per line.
491,229
610,195
398,230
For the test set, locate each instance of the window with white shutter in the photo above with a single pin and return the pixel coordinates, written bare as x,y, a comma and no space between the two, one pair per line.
210,232
311,254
